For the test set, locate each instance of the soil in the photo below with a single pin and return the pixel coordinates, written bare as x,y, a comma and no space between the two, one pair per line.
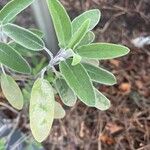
126,125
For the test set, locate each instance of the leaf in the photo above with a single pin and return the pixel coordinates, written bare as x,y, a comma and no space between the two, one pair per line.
39,33
94,16
23,37
90,61
61,21
87,39
41,109
100,75
21,50
12,91
59,112
101,103
79,81
76,59
12,59
13,8
66,94
102,51
78,36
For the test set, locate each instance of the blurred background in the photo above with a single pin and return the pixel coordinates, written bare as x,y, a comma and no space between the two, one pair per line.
126,125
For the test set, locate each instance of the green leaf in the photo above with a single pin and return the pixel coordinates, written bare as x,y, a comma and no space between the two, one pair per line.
101,103
12,59
90,61
102,51
59,112
76,59
23,37
87,39
66,94
94,16
21,50
78,36
100,75
79,81
39,33
61,21
41,109
13,8
12,91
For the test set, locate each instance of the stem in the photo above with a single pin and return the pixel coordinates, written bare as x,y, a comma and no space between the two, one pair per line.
3,69
49,53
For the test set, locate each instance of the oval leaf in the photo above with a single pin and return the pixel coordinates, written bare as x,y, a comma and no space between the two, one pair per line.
23,37
94,16
100,75
41,109
101,103
59,112
12,91
79,81
87,39
66,94
90,61
39,33
102,51
12,59
11,9
61,21
78,36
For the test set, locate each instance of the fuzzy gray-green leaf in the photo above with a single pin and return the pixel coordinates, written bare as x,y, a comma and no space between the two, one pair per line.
23,37
12,59
12,91
87,39
94,16
79,81
41,109
66,94
61,21
100,75
79,34
11,9
102,51
101,103
59,112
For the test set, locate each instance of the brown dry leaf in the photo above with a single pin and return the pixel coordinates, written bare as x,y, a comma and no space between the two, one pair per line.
114,62
106,139
113,128
125,87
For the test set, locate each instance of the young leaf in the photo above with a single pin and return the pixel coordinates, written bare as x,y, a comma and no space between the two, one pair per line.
100,75
66,94
41,109
94,16
79,81
101,103
87,39
12,59
39,33
61,21
78,36
11,9
102,51
23,37
12,91
76,59
59,112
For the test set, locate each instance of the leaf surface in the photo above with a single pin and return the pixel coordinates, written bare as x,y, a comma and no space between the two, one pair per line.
12,59
59,112
41,109
12,91
79,81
